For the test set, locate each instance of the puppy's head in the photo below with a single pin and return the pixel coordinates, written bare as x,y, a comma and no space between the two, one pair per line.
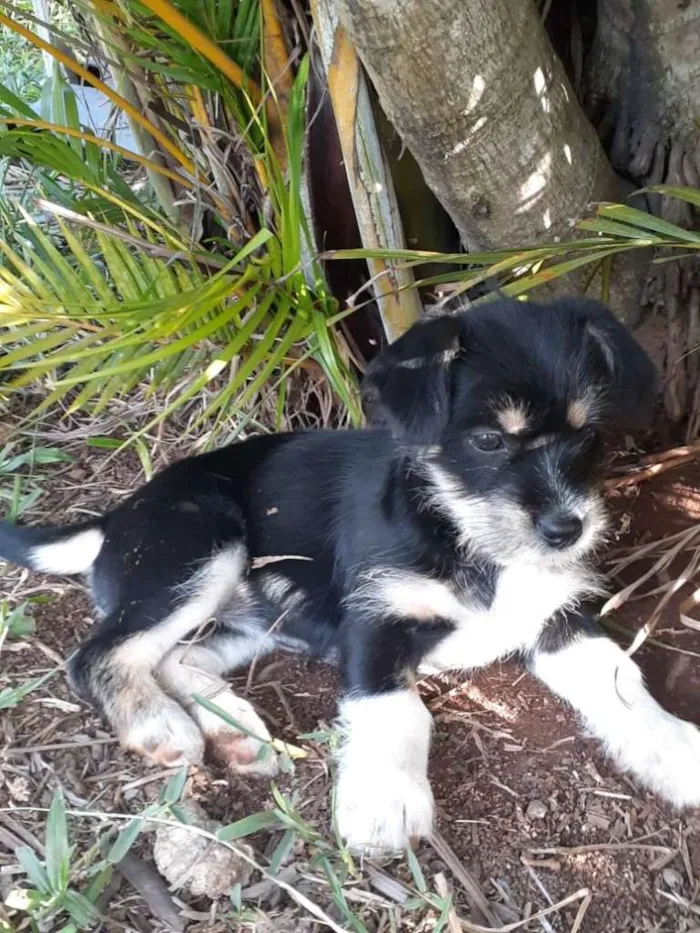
503,408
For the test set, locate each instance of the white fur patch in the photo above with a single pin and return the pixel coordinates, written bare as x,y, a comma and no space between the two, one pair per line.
72,555
383,798
541,441
275,586
437,359
599,336
211,658
409,595
245,750
606,687
527,595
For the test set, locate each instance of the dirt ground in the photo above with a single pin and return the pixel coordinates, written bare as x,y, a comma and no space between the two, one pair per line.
527,806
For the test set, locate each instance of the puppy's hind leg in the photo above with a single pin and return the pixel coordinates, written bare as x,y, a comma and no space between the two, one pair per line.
115,668
195,670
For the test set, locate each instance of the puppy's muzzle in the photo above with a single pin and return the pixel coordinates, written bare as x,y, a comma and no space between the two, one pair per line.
560,529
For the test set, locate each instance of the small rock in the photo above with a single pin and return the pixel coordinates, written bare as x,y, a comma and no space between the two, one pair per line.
536,810
195,863
672,878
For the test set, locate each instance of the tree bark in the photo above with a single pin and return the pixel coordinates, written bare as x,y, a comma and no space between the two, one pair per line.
479,97
642,89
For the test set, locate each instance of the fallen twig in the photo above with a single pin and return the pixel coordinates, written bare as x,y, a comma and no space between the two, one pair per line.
475,896
57,747
599,847
685,452
544,923
257,563
11,831
653,465
583,895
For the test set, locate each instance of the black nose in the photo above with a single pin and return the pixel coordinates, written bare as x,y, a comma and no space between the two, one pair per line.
560,529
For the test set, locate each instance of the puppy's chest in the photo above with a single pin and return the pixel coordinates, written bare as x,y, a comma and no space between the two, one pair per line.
526,597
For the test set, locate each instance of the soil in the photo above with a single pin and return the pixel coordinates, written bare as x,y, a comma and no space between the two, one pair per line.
529,806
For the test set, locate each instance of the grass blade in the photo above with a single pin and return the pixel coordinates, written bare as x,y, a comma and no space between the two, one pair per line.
58,852
248,825
124,841
35,871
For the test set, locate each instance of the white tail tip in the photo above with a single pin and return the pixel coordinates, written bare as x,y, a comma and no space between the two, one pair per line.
76,554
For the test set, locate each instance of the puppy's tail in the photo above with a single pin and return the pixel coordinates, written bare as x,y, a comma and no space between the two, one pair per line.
71,549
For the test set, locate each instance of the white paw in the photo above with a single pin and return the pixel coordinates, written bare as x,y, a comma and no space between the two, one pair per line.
245,750
164,734
381,812
666,760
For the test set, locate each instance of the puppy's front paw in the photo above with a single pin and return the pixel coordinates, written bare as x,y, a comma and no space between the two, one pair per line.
244,750
669,764
381,812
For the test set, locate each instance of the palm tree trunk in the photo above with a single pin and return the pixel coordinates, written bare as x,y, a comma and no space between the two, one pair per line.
481,100
643,91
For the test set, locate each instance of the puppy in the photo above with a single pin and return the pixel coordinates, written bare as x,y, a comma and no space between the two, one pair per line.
457,530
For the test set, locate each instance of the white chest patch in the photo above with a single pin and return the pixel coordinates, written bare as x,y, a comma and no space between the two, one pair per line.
527,595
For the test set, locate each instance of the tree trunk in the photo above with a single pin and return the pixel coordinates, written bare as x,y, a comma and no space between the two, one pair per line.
479,97
643,91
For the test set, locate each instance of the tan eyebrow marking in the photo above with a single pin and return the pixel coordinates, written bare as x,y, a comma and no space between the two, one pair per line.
512,417
578,413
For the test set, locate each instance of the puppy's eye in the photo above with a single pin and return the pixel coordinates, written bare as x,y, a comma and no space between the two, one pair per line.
487,441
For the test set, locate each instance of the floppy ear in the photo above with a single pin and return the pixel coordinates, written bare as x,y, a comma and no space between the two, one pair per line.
406,387
632,375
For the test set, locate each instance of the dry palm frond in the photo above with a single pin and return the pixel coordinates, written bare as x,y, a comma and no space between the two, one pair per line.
657,558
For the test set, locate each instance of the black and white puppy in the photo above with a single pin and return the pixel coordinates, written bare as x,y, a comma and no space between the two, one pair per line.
457,530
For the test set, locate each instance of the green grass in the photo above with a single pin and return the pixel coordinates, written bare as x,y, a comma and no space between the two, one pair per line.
63,887
22,475
49,894
18,623
21,66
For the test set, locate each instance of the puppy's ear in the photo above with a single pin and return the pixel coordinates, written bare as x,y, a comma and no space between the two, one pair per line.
632,375
406,387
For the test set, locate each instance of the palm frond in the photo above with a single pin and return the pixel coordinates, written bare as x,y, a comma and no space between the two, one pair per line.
617,229
106,292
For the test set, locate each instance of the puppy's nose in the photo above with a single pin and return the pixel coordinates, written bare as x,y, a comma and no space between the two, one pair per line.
560,529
